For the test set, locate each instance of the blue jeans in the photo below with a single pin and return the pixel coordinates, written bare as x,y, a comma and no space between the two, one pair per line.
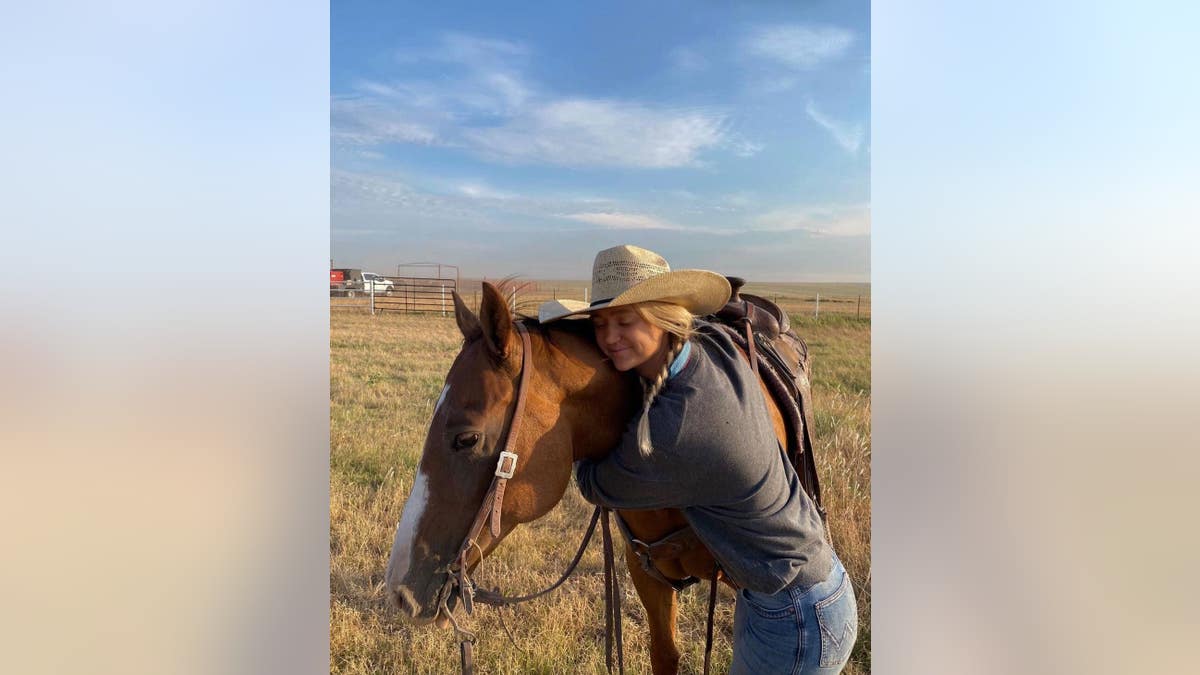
797,630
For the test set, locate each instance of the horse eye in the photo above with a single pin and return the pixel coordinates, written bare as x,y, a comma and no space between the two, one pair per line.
465,440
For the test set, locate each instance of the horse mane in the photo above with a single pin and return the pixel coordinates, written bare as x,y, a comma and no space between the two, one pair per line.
574,327
526,312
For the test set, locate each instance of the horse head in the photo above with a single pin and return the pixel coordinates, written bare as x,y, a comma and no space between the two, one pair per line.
568,384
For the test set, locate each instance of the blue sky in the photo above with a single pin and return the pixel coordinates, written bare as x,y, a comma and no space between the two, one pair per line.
523,140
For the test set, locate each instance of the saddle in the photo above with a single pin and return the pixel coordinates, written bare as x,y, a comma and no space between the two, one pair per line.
763,315
762,329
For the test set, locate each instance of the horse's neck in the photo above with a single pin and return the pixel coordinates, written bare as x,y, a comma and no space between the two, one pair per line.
598,400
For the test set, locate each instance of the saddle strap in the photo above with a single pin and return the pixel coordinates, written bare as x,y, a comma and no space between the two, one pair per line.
612,602
752,350
712,610
670,547
466,652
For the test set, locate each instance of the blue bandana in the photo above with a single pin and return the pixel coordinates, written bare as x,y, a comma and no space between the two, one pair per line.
680,361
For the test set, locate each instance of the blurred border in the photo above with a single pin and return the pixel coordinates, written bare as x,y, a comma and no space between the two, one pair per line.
165,337
165,340
1035,322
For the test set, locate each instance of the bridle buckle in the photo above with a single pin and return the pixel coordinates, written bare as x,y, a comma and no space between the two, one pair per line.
511,457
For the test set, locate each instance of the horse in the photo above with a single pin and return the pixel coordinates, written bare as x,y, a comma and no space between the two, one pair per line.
576,407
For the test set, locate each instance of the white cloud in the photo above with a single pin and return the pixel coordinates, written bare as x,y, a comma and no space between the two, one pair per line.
744,148
765,85
624,221
798,46
847,135
378,88
361,199
827,221
488,91
352,191
465,48
392,197
365,122
687,60
490,108
509,87
737,199
591,132
481,191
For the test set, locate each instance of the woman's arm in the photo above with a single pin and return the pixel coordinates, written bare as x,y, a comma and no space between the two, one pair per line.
624,479
610,483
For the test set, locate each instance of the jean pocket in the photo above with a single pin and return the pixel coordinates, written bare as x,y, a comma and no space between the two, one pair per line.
769,606
837,616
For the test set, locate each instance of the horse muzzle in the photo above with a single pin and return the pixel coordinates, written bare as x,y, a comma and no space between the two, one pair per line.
420,614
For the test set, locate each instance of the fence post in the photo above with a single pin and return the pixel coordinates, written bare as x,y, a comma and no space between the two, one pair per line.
817,309
372,297
443,299
858,311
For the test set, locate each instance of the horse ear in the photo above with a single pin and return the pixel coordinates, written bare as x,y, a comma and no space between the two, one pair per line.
468,323
496,321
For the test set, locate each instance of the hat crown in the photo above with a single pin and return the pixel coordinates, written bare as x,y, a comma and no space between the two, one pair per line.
629,275
620,268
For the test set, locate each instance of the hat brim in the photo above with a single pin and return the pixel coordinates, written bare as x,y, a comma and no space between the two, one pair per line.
553,310
699,291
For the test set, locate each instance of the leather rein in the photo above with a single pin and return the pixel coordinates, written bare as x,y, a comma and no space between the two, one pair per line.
458,579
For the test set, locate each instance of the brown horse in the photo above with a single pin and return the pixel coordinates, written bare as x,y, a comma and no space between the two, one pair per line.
577,407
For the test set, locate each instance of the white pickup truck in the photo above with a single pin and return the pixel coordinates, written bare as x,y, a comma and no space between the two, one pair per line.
381,284
349,282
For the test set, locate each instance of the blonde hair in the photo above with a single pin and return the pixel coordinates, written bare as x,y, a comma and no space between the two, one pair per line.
677,321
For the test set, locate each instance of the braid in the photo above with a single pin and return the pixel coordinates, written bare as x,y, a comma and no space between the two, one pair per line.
652,389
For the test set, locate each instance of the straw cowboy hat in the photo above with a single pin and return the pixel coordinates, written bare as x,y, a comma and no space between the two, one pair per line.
625,275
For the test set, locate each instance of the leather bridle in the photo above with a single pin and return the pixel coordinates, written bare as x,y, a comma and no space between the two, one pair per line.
493,499
458,579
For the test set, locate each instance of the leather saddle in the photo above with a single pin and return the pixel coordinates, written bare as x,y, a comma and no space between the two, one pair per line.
765,317
786,354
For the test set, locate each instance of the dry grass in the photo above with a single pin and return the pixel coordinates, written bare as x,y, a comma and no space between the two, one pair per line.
386,373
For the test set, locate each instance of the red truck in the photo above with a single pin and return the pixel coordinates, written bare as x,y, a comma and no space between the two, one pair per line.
345,282
350,281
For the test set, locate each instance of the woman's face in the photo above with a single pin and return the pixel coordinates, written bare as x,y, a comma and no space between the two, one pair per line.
630,341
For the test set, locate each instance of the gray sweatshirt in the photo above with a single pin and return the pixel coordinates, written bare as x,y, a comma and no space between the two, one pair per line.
716,458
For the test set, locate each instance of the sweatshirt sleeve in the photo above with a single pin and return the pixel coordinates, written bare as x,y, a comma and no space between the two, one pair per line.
624,479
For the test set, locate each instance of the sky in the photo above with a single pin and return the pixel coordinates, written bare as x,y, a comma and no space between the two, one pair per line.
522,140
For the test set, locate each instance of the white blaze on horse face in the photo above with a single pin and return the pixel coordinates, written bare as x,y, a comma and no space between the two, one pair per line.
445,390
406,531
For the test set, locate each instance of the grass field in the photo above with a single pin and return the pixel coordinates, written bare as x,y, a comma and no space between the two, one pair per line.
385,375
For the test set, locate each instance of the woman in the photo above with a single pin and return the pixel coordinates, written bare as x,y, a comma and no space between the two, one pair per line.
704,444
